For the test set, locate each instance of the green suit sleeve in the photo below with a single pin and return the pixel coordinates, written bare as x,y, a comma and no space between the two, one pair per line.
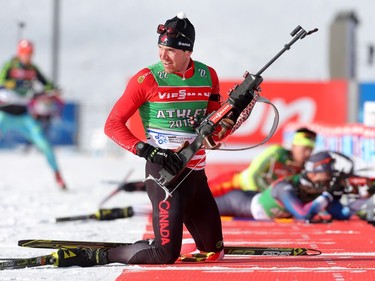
255,176
4,74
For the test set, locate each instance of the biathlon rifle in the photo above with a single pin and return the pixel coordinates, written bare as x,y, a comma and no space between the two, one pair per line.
241,98
349,183
345,179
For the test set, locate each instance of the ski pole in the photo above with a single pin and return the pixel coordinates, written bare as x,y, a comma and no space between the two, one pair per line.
102,215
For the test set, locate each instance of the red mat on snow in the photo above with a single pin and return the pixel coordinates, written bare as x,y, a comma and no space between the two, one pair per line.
348,253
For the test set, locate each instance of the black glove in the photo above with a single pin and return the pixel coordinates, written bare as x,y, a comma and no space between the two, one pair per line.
166,158
336,189
371,189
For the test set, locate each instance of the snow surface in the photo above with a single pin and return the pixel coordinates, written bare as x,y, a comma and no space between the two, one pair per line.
30,202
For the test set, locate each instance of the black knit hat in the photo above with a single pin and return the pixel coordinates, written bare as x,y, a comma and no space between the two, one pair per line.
320,162
177,33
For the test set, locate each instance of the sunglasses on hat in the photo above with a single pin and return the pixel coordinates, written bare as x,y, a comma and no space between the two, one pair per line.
171,32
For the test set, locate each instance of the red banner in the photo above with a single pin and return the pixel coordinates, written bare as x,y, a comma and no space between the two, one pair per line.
303,102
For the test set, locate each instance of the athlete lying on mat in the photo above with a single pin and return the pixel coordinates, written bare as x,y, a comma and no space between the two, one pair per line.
318,187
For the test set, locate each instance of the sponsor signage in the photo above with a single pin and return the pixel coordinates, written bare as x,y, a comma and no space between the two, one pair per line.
303,102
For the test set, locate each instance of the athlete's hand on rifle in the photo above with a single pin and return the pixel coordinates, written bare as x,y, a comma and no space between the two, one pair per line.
366,189
336,188
166,158
226,125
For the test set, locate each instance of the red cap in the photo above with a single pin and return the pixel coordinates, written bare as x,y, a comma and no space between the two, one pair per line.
25,47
